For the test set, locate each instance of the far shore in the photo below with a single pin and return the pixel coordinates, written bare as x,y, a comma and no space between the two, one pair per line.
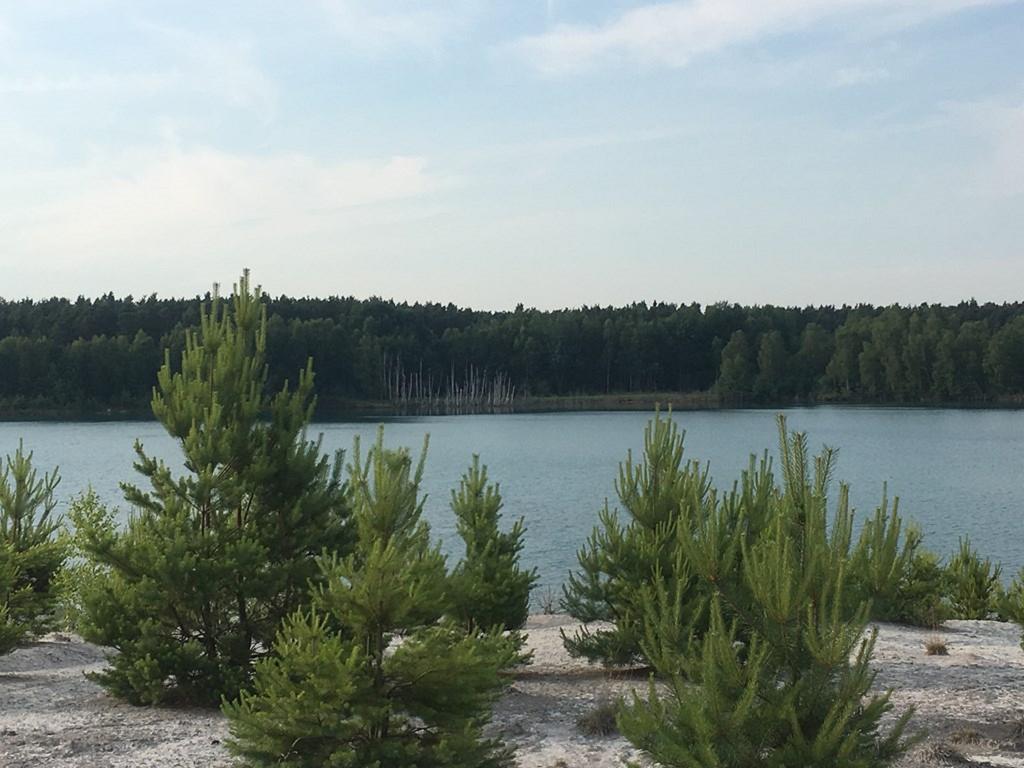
341,410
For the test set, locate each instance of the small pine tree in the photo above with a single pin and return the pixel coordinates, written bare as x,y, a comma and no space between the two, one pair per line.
489,590
974,584
664,498
890,568
210,563
32,553
771,680
371,676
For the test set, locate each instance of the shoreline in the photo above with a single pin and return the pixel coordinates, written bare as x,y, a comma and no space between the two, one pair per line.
342,411
52,716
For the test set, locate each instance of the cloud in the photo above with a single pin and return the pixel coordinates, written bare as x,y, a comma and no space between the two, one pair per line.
852,76
672,34
419,27
227,68
999,125
203,203
98,82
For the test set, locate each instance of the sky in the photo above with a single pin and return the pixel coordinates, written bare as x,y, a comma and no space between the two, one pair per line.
552,153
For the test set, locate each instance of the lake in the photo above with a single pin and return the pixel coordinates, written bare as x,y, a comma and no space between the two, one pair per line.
957,472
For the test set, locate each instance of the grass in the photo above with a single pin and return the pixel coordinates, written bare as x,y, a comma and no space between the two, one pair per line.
936,646
599,720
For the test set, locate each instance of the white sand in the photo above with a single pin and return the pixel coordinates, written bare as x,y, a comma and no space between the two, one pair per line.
971,702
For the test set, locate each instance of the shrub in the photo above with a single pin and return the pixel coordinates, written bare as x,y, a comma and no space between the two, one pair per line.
32,553
882,559
1011,602
371,676
198,582
973,584
936,646
780,674
920,597
488,588
664,498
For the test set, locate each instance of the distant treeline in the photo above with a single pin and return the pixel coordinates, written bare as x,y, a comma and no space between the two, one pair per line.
98,355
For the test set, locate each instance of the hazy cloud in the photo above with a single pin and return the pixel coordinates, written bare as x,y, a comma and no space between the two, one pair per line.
851,76
671,34
138,205
999,124
403,26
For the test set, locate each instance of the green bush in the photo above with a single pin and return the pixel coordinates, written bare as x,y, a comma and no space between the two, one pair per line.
372,676
664,499
920,597
192,590
488,588
778,673
973,584
32,553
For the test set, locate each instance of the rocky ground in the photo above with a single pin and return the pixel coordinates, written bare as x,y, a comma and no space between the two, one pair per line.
970,701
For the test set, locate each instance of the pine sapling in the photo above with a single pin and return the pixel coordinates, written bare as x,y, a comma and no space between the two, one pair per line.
32,553
489,589
372,676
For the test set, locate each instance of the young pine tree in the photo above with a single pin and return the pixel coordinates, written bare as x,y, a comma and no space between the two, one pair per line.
488,587
781,676
32,553
664,498
974,584
212,561
370,676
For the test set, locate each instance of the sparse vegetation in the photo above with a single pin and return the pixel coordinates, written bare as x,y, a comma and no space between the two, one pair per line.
599,719
936,646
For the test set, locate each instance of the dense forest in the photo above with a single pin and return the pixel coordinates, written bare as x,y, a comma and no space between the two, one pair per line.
96,356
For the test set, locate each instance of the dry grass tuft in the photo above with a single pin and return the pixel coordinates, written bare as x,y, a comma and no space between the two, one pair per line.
965,736
936,646
599,720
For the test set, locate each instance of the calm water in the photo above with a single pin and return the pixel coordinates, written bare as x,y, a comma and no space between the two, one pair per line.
957,472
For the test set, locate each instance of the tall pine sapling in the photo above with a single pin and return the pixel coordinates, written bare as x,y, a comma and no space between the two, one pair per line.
371,676
192,591
489,589
32,553
781,676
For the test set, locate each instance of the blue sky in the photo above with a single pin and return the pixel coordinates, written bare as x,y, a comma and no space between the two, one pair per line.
554,153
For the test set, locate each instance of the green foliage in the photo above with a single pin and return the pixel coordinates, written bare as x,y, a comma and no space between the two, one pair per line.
31,551
780,674
88,356
920,597
973,584
736,372
370,676
194,588
489,590
80,575
1011,602
662,496
889,568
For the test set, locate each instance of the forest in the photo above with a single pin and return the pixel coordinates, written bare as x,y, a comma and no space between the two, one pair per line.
98,356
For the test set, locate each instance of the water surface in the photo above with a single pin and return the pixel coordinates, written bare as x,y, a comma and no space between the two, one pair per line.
957,472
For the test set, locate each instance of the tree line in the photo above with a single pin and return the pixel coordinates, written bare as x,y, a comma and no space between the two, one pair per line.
90,355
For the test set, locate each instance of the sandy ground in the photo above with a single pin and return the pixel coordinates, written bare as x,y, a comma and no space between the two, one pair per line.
971,702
